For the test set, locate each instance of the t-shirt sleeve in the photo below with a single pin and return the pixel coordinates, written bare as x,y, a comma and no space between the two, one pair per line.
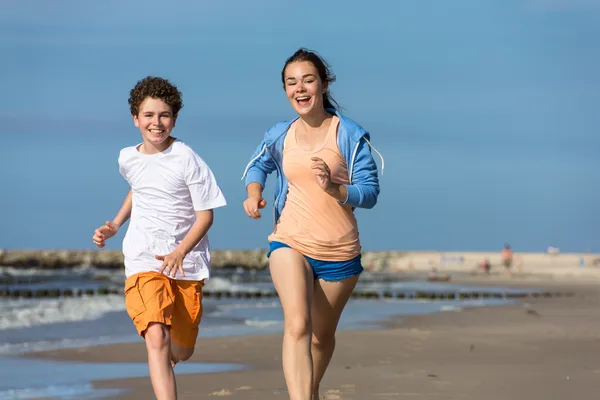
204,190
123,165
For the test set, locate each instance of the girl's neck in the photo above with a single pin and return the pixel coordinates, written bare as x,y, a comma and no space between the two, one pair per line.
314,120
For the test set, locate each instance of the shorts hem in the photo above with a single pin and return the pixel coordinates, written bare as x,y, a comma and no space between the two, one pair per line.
340,278
158,320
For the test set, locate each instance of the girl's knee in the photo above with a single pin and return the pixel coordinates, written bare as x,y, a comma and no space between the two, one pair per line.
157,337
297,327
322,340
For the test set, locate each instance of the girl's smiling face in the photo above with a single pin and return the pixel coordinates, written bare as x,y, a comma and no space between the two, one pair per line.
304,88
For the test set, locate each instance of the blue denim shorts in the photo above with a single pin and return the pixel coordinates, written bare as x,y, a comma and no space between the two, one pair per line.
327,270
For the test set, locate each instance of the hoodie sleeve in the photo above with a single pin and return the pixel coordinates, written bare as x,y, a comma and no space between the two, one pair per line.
260,166
364,189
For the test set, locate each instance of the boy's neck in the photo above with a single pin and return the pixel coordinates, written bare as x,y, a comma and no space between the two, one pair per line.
149,148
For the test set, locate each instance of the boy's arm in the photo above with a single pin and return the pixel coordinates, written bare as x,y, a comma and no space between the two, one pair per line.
174,262
110,229
206,196
204,220
125,211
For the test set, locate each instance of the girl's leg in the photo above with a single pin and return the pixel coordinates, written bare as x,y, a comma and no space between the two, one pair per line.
293,280
329,300
158,345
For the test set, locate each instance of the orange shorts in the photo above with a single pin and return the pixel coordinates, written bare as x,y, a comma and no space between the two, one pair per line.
153,297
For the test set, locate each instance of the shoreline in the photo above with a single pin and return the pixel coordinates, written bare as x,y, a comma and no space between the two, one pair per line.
439,355
375,261
16,286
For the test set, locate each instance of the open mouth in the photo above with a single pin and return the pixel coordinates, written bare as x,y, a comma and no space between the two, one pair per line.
156,132
303,101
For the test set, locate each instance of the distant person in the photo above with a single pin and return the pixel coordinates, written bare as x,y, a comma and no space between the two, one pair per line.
171,201
486,266
553,250
507,257
325,170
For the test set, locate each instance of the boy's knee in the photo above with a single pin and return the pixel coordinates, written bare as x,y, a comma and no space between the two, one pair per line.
157,337
181,354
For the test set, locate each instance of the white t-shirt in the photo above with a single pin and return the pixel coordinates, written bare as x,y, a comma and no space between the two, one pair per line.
168,188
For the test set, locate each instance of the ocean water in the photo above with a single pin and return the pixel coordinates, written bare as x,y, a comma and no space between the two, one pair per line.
28,325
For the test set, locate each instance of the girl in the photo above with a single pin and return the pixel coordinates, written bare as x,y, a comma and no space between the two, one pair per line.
325,170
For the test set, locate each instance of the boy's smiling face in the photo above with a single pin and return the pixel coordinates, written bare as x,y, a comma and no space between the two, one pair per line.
155,121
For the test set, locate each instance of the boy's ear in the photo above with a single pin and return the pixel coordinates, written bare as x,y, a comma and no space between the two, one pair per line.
136,121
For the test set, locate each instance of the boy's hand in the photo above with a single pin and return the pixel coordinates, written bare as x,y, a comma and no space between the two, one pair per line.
105,232
172,263
252,205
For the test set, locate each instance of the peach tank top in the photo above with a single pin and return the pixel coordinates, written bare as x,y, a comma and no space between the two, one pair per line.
313,222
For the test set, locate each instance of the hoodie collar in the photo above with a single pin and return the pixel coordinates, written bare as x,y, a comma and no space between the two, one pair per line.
355,131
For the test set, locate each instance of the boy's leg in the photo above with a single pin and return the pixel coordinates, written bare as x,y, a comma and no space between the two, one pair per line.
149,302
187,313
158,340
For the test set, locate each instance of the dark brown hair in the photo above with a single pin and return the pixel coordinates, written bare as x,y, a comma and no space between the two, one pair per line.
322,67
156,88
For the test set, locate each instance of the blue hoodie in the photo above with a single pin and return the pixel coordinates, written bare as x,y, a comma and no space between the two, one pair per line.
354,145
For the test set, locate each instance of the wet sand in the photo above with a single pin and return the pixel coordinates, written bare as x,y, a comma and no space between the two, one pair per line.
546,348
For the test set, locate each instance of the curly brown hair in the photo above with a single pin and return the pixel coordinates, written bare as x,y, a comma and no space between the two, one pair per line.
157,88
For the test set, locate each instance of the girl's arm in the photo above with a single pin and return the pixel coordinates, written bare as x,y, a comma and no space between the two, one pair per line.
260,166
364,190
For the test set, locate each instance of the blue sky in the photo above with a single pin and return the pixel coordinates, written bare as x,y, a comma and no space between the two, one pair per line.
485,111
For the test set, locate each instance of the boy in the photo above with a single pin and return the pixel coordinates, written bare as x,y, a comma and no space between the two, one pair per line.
173,193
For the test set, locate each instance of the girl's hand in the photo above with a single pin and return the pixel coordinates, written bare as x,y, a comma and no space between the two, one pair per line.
323,174
172,263
252,205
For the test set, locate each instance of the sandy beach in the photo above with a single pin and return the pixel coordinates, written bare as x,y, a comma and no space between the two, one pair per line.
541,348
